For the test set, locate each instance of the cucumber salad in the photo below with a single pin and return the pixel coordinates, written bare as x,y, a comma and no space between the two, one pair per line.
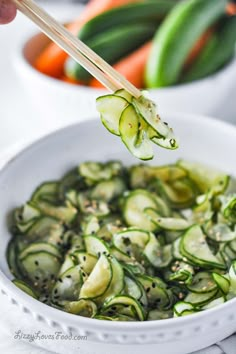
121,243
136,121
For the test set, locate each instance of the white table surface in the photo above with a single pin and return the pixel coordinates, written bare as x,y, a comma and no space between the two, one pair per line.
20,124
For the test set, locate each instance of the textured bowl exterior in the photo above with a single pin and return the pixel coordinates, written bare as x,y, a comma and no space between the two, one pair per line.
202,139
65,103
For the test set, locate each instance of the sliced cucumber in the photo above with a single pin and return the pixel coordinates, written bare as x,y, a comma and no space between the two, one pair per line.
94,207
133,210
82,307
133,134
205,178
222,282
110,108
126,301
220,232
140,175
86,261
117,282
95,171
40,268
132,288
108,190
159,257
147,109
124,94
184,308
171,224
38,247
195,248
125,240
157,295
68,285
199,299
154,315
203,282
99,280
95,246
42,227
25,287
229,207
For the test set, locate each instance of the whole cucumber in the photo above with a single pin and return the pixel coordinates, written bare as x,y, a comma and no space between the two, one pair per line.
112,45
218,51
176,37
149,11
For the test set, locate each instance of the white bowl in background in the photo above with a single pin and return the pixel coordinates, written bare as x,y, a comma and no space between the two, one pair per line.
202,139
64,103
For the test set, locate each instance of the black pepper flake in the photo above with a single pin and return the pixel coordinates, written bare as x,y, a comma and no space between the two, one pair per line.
36,277
56,297
147,290
153,285
113,308
68,276
84,275
60,280
99,254
55,291
45,280
84,258
36,263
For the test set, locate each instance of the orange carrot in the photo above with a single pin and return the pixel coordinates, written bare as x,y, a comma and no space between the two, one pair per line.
70,80
51,60
231,9
132,67
199,45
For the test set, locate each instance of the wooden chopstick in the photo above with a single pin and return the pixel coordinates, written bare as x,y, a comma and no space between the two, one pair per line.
78,50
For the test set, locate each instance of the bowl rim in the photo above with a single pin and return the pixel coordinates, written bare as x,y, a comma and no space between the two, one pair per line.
19,58
132,327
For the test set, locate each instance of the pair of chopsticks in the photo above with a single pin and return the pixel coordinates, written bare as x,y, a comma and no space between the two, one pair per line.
79,51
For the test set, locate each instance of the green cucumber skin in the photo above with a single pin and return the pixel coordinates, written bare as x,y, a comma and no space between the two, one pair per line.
112,45
149,11
176,37
218,51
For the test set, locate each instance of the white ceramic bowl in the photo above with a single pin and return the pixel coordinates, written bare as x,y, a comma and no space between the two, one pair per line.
63,102
202,139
